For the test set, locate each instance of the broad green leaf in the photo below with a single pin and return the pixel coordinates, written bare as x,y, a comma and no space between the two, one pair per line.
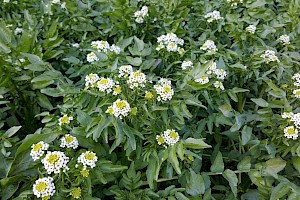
172,158
104,122
195,143
231,177
274,165
139,43
296,163
10,132
83,118
218,164
246,134
195,186
260,102
130,136
9,190
110,168
44,101
33,59
280,190
245,164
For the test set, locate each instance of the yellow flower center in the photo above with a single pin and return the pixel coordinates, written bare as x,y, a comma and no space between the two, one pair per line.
69,139
92,76
121,104
41,186
103,42
103,81
149,95
89,156
52,159
173,135
110,110
76,193
91,55
160,139
167,89
46,197
298,93
37,147
85,172
64,119
172,44
137,73
291,131
117,89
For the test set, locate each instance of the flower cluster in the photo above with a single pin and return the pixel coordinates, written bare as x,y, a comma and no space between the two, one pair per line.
219,84
269,56
164,90
202,80
213,16
91,57
234,2
55,161
291,131
296,77
170,42
141,14
69,141
65,120
186,64
37,150
120,108
87,158
125,71
209,46
284,39
44,187
251,29
105,85
136,79
169,137
105,47
90,80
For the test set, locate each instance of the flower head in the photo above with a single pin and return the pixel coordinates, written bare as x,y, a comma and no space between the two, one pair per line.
251,29
212,67
296,92
65,120
170,42
37,150
164,90
76,193
186,64
209,46
296,119
125,70
91,57
213,16
91,79
105,85
291,132
117,90
287,115
88,159
55,161
44,187
170,137
140,14
202,80
69,141
148,95
219,84
136,79
220,73
120,108
269,56
284,39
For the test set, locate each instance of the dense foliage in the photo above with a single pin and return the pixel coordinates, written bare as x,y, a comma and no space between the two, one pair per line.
149,99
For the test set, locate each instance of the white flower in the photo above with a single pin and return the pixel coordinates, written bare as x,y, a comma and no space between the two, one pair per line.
55,161
56,1
105,85
164,90
64,120
75,45
69,141
44,187
186,64
251,29
91,57
203,80
136,79
210,46
269,56
219,84
296,119
211,67
140,14
284,39
22,60
63,5
234,2
125,70
213,16
6,1
287,115
296,92
115,49
37,150
18,30
296,77
171,42
87,158
117,90
220,73
170,137
291,132
91,79
120,108
164,81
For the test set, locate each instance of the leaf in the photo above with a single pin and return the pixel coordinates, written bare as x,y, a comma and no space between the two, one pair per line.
260,102
231,177
33,59
130,136
72,60
296,163
9,190
218,164
10,132
104,122
245,164
195,185
274,165
195,143
44,101
172,158
108,167
246,134
83,118
280,190
151,171
134,61
139,43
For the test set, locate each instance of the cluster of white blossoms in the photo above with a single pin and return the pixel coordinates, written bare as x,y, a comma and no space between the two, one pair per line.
55,161
291,131
87,159
136,79
202,80
125,71
219,84
69,141
296,78
284,39
141,14
187,64
170,42
91,57
105,47
234,2
211,67
65,120
105,85
120,108
90,80
164,90
213,16
44,187
37,150
209,46
169,137
220,73
269,56
251,29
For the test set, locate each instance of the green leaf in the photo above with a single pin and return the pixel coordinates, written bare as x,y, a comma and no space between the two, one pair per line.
273,166
245,164
151,171
260,102
218,164
246,134
108,167
9,190
83,118
134,61
231,177
172,158
104,122
195,143
280,190
296,163
139,43
131,139
34,59
44,101
10,132
195,185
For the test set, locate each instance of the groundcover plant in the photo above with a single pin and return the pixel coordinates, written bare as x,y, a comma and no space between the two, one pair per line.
149,99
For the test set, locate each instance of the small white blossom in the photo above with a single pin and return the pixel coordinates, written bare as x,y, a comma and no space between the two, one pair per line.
213,16
18,30
164,81
296,92
171,42
63,5
171,137
6,1
251,29
44,187
202,80
65,120
220,73
164,90
296,77
125,70
186,64
291,132
115,49
37,150
211,67
75,45
284,39
210,46
287,115
105,85
234,2
269,56
120,109
219,84
55,161
91,57
136,79
56,1
88,159
296,119
90,80
69,141
141,14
